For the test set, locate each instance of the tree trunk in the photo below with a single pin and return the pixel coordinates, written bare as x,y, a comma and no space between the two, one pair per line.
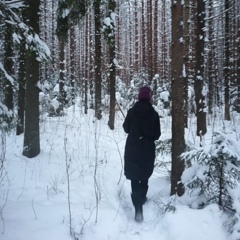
178,142
112,77
72,63
53,42
150,42
185,60
199,78
137,40
8,65
87,64
91,72
21,88
31,135
62,97
144,54
227,63
98,60
164,44
238,71
211,62
155,39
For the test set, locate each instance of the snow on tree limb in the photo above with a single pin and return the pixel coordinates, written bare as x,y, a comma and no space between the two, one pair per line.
7,76
22,30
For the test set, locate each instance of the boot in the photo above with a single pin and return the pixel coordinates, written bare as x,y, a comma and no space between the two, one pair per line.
137,203
139,213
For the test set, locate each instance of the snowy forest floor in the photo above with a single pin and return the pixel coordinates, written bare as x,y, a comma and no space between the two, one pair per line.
76,184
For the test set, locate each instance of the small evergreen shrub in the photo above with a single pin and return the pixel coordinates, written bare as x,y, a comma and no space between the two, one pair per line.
214,169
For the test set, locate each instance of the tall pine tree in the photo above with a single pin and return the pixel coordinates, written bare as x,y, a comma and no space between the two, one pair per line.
109,30
178,141
31,146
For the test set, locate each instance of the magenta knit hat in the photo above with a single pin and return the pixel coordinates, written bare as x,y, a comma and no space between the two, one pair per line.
145,94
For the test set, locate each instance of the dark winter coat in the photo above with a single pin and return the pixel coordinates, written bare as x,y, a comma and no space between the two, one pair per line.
143,127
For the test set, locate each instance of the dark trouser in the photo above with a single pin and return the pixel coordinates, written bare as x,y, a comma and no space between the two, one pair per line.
139,188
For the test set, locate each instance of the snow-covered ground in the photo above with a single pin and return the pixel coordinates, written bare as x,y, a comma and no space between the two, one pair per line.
39,200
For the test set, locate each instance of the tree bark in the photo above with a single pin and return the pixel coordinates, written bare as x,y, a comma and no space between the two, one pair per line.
31,135
8,65
137,40
178,141
112,77
21,88
87,64
144,54
62,92
155,39
238,71
186,60
199,75
150,42
98,60
211,62
72,63
227,64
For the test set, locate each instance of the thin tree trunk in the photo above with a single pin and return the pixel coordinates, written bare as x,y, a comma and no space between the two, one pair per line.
186,59
112,77
143,37
8,65
87,64
91,73
136,63
211,62
72,63
21,88
238,71
155,39
227,64
53,42
62,97
150,42
98,60
199,78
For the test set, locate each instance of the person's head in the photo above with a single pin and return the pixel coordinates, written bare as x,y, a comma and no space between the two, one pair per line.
145,94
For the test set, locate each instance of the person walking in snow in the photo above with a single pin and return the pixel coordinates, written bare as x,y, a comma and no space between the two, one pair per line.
142,125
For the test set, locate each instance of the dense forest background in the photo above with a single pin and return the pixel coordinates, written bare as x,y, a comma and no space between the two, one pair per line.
94,55
53,52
